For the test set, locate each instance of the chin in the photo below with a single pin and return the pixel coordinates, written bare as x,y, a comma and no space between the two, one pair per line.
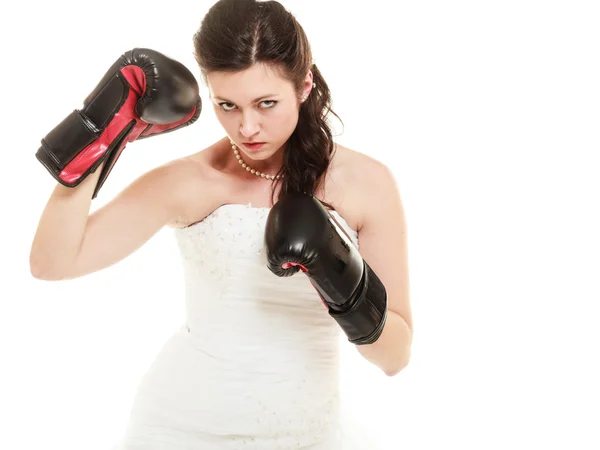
258,155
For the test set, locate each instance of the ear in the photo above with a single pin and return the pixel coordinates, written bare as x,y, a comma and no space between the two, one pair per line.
307,86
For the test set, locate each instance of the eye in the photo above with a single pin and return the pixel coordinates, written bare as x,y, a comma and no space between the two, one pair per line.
268,103
226,106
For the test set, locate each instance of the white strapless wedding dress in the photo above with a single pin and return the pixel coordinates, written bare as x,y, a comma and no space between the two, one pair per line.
256,365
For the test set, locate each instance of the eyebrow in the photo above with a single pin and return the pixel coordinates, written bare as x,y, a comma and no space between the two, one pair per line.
253,101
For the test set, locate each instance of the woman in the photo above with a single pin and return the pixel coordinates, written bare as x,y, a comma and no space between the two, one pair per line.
256,364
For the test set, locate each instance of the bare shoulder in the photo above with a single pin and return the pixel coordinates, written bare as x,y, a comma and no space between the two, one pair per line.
363,179
360,166
192,187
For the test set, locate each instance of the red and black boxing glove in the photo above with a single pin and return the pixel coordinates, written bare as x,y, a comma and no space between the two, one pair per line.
143,94
300,234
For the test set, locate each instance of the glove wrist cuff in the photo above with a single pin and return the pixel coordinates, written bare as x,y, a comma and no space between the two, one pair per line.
365,317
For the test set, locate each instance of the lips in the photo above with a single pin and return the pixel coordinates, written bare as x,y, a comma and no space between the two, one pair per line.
253,145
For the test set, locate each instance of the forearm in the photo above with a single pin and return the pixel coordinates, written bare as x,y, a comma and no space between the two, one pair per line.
391,352
61,228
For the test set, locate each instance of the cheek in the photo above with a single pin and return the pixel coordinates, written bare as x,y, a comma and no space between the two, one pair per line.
283,121
227,121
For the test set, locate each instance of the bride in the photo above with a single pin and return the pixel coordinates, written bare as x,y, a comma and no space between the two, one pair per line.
269,221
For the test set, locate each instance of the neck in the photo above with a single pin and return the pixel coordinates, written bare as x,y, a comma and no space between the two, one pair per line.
266,168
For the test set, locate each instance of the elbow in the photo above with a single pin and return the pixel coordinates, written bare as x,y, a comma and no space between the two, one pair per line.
393,371
45,272
400,365
40,274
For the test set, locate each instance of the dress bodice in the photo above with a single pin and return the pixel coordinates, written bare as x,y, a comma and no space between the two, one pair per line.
266,347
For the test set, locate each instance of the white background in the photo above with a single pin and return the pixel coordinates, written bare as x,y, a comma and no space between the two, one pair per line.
488,114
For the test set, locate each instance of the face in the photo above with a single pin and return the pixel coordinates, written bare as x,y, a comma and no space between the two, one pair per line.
256,106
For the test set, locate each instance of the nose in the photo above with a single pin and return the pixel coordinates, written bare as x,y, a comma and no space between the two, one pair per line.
250,124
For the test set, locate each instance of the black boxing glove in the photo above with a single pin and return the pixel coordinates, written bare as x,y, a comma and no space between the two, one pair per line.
300,234
143,94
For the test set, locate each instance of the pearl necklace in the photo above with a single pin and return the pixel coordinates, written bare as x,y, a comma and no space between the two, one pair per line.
236,151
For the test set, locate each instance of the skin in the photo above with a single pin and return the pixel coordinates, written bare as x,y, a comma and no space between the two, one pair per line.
258,105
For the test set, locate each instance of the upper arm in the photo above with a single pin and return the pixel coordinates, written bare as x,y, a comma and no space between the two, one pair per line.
124,224
383,239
